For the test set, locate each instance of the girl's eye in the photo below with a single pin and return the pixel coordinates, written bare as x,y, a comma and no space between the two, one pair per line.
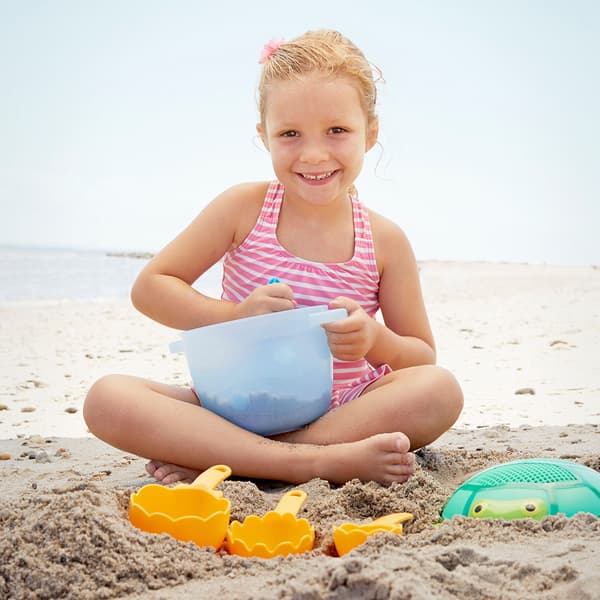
337,130
289,134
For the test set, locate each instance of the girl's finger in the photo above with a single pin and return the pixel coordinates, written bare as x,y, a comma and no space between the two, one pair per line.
279,290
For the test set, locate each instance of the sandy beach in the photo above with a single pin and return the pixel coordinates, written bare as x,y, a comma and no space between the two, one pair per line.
524,342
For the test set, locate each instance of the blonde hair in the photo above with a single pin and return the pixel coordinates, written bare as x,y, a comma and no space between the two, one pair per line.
325,51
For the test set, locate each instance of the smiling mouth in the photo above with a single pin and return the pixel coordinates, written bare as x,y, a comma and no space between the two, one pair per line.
316,177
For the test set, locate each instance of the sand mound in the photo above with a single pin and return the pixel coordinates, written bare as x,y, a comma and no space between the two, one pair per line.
76,542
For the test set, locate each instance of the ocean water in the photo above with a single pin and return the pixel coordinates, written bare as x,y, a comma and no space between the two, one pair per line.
63,274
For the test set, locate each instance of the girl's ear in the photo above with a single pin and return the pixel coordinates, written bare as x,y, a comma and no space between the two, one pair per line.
372,134
263,135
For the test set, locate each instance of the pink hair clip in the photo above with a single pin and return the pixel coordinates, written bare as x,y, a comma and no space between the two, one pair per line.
268,50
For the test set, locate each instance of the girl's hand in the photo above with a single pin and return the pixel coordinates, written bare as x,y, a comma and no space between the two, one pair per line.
352,337
273,297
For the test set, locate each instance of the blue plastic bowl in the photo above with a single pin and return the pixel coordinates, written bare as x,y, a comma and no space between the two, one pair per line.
269,374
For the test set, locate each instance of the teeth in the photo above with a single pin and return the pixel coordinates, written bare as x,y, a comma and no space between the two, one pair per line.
316,177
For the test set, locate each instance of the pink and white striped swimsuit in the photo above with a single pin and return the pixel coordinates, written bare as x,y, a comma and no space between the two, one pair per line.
260,256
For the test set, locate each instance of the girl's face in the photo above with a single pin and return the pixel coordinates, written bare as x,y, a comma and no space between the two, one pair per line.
317,133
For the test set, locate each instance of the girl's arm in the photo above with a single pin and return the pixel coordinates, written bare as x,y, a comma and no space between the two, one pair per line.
405,338
163,290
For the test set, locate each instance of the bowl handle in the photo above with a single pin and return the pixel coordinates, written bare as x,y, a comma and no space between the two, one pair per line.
176,346
327,316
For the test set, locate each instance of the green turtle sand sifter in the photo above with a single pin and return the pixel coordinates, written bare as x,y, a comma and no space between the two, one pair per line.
534,488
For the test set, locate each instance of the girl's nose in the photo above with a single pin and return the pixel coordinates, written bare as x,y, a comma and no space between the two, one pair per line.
313,152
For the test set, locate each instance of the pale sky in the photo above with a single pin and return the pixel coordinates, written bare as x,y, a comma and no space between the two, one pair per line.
120,120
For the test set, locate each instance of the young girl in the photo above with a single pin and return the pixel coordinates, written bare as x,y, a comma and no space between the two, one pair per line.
317,119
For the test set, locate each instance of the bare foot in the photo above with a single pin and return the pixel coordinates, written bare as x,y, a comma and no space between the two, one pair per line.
384,458
170,473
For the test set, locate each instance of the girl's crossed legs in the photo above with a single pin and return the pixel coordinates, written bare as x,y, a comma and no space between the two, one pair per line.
369,438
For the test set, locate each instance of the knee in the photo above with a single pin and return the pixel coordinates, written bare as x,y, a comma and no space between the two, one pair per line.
97,408
448,393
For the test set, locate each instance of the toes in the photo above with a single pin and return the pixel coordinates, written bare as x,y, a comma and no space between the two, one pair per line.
174,477
393,442
152,466
165,473
169,473
177,474
160,473
402,443
407,459
401,470
401,458
396,478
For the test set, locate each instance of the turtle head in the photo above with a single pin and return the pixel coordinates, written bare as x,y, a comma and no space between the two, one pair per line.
519,508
